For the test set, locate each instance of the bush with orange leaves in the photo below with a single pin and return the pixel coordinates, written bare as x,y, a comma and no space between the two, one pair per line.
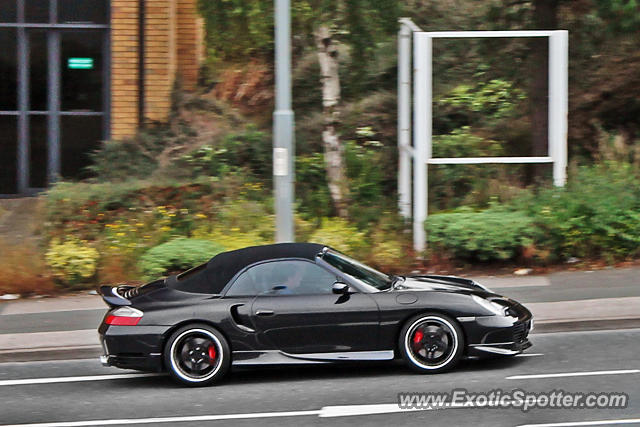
24,271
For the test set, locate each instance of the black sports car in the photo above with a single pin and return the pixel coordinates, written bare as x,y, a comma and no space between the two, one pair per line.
303,303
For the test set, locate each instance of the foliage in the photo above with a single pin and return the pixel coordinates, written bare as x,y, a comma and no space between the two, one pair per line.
389,244
249,150
451,185
495,234
237,29
312,193
365,178
23,270
340,235
238,224
473,103
596,215
622,15
129,158
177,255
73,261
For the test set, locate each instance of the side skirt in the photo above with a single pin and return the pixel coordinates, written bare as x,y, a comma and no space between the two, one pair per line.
276,357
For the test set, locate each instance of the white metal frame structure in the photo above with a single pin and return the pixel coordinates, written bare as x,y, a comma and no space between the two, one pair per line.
422,117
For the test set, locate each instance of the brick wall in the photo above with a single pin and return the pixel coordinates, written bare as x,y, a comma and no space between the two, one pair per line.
189,43
173,46
160,58
124,68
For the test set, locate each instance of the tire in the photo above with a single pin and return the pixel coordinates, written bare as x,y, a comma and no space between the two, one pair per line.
197,355
431,343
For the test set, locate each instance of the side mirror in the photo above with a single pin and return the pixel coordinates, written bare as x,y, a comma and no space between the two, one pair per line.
340,288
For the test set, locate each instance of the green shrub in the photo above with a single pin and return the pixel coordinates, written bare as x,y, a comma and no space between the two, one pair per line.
129,158
596,215
177,255
491,235
72,261
249,150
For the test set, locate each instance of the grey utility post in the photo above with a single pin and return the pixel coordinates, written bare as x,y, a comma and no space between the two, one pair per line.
283,120
405,150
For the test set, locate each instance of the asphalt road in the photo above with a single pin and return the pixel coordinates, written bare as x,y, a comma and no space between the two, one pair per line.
311,395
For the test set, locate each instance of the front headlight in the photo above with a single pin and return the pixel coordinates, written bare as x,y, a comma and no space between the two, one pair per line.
495,308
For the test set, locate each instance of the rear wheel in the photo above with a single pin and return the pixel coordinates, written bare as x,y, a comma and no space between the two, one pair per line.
431,343
197,355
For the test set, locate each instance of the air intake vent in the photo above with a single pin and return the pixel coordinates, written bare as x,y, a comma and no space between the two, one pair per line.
128,292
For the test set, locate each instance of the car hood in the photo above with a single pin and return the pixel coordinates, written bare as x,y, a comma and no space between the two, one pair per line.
440,284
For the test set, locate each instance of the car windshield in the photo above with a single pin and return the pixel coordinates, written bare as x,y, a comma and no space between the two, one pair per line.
357,270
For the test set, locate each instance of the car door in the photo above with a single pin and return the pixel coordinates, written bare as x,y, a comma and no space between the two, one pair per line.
298,313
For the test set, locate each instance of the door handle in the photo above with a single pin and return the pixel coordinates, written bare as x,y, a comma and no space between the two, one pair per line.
264,312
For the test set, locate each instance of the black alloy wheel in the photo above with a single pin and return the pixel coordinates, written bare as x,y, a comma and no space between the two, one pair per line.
431,343
197,355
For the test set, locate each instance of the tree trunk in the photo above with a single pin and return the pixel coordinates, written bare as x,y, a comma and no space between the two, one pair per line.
333,149
545,17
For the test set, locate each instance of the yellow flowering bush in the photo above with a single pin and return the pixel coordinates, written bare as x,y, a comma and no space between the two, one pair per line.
339,234
231,239
72,261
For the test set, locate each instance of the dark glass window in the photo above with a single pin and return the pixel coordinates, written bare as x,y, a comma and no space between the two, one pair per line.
38,70
79,136
87,11
283,278
81,69
36,11
8,69
38,151
8,153
8,11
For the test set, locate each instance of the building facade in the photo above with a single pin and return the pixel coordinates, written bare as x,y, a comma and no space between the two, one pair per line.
76,72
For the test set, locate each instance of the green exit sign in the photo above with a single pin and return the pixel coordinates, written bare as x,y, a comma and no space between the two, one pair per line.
80,63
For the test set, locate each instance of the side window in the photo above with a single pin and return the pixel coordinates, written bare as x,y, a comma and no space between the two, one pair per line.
295,278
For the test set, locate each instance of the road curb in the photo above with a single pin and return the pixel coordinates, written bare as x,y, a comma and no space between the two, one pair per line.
585,325
50,353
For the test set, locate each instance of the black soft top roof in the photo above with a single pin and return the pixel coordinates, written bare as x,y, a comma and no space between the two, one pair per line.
212,277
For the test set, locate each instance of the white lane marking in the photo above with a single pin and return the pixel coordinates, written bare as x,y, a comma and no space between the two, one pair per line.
352,410
529,354
573,374
30,381
585,423
325,412
195,418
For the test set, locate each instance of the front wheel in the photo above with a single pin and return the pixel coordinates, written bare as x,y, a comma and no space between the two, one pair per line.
197,355
431,343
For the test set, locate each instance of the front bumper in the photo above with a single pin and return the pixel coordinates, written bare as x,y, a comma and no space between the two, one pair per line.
498,335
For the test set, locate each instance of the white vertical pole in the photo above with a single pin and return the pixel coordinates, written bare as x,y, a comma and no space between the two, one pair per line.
422,135
558,104
404,120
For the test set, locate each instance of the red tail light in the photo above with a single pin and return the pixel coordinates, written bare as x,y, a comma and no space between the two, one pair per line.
124,316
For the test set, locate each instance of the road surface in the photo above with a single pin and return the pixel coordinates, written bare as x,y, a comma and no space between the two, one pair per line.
74,391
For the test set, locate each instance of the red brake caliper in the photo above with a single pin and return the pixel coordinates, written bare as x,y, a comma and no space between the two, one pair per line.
417,337
212,352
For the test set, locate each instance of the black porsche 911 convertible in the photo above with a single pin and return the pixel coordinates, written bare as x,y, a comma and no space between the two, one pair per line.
303,303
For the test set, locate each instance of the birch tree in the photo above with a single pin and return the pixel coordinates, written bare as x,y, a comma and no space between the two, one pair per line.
333,148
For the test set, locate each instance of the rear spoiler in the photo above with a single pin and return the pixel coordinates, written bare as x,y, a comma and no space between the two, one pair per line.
112,295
